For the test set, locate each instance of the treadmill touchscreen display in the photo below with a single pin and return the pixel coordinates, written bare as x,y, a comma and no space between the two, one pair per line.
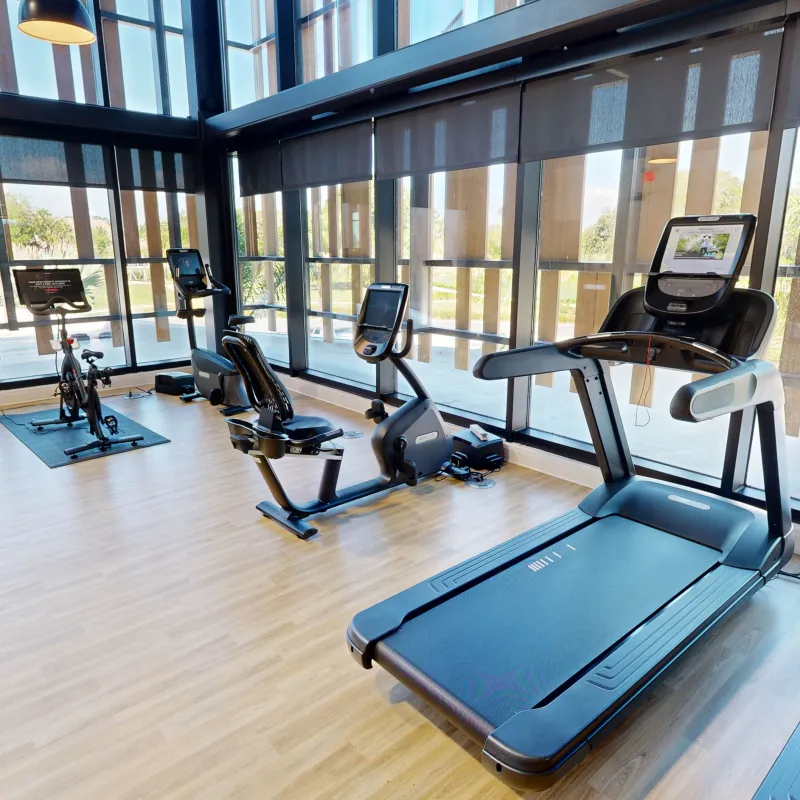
703,249
383,308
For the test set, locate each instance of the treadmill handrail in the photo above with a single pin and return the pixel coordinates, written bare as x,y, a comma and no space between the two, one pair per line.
568,355
749,385
703,351
522,361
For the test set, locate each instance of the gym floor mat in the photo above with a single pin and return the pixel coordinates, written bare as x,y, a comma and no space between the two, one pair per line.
49,444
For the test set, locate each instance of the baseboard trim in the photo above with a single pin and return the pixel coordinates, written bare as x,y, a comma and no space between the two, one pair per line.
36,395
530,457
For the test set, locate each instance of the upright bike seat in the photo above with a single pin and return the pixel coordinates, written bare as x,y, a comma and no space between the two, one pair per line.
235,320
91,355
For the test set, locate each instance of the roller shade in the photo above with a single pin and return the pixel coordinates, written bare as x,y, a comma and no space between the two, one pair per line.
260,170
475,132
25,160
155,170
720,86
343,155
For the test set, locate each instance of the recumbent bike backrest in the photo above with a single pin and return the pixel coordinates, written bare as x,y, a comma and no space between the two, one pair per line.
264,388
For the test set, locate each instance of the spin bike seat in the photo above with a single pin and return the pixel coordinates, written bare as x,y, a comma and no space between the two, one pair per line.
91,354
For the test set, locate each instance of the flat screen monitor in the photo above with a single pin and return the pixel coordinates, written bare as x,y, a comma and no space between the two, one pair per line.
187,267
384,306
41,287
712,248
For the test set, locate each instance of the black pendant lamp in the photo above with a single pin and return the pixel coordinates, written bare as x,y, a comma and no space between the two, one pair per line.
56,21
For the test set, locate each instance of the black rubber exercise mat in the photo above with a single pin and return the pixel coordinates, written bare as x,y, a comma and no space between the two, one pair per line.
50,443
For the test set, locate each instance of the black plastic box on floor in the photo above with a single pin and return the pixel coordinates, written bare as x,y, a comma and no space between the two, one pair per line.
174,383
479,454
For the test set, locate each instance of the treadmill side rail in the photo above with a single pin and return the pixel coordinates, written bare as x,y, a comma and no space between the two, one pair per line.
782,780
377,622
534,747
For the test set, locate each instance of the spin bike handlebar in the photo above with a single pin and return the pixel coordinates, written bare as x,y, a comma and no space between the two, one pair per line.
54,306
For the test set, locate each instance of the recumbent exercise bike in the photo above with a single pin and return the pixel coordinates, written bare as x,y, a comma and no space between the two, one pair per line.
408,444
60,291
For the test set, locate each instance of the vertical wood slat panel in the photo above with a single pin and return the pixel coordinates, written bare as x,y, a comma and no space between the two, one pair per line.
88,76
465,229
702,176
753,178
191,218
754,172
325,278
493,278
158,283
65,85
333,221
658,195
327,42
356,220
116,86
309,47
255,53
250,225
346,19
562,209
269,222
403,23
8,70
591,304
420,244
549,308
790,360
702,185
130,224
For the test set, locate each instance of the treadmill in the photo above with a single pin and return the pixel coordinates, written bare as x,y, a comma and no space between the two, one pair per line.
535,647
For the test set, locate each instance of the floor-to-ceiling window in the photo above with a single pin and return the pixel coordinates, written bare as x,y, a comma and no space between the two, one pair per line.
158,212
39,69
333,35
252,51
340,264
421,19
56,212
784,347
145,56
583,268
455,236
607,191
262,270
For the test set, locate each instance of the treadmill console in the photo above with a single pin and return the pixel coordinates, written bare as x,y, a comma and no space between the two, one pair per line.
379,321
697,264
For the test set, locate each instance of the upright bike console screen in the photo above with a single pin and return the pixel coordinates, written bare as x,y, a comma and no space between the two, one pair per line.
697,263
187,268
379,320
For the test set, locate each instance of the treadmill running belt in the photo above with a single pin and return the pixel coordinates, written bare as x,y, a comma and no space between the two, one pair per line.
508,642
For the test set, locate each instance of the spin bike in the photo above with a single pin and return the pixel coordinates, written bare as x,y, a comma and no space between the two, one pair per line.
408,444
60,291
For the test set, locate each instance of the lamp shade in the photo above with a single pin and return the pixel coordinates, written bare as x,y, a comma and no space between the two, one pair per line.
56,21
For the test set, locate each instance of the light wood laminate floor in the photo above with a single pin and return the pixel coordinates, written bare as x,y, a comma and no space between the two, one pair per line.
160,639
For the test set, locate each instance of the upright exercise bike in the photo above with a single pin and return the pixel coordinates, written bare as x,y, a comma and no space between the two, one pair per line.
60,291
408,444
215,378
